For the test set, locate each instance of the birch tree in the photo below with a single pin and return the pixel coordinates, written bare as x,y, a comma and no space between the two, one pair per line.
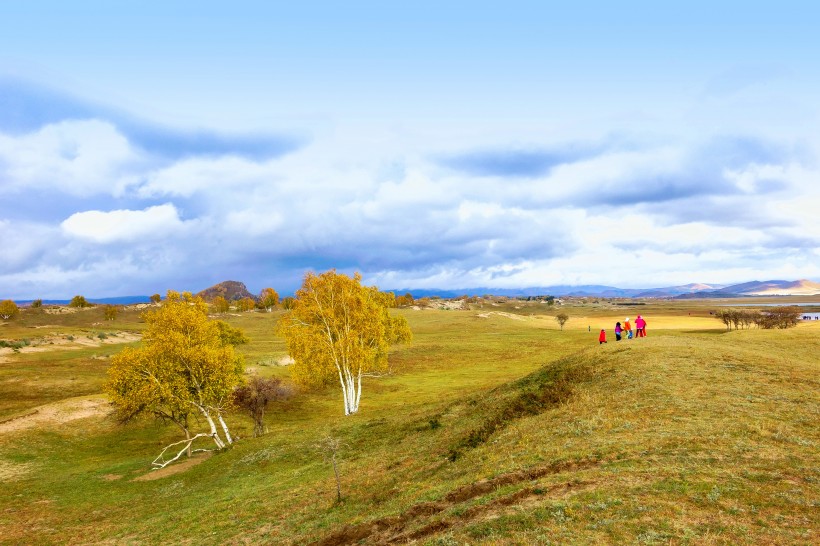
186,367
8,309
268,299
339,330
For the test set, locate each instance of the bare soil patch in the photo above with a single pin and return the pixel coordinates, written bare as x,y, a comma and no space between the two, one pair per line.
61,342
501,314
285,361
178,468
55,414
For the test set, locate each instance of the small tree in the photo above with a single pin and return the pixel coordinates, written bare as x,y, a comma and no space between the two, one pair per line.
79,301
255,396
404,301
221,305
268,299
340,330
37,304
8,309
288,303
245,304
329,447
562,319
110,312
780,317
725,316
156,298
230,335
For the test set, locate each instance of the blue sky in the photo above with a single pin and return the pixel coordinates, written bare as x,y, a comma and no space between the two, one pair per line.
431,145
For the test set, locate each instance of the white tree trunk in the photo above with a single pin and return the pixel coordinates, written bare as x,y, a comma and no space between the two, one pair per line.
225,428
214,433
350,392
359,390
344,389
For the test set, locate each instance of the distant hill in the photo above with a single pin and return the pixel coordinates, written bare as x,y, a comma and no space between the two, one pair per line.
586,290
230,290
802,287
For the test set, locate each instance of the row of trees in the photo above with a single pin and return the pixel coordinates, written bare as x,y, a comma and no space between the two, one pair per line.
268,299
776,317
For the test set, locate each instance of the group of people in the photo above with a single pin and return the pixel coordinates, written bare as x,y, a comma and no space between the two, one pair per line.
625,330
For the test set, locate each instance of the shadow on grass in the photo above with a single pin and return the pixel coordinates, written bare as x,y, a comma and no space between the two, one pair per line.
710,331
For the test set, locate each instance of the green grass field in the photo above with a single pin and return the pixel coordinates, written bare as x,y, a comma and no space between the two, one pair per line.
494,427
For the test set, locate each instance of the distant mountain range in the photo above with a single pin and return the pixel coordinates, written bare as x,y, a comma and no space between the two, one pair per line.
695,290
120,300
233,290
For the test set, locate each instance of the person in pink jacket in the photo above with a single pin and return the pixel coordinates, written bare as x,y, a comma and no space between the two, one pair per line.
640,327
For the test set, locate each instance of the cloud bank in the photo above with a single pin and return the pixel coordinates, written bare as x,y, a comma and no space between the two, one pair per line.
96,203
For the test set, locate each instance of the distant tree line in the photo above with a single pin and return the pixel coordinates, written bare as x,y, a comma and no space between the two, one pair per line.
776,317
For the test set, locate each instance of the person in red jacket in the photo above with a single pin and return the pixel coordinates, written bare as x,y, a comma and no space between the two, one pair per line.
602,337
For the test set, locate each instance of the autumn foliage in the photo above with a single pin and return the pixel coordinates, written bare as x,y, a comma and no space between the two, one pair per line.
339,330
268,299
186,366
8,309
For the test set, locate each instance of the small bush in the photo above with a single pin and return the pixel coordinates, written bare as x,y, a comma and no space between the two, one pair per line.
79,301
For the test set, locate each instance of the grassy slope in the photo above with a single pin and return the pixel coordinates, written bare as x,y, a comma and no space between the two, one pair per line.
690,435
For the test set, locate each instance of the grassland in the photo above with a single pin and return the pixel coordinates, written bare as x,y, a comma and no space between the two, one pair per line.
495,427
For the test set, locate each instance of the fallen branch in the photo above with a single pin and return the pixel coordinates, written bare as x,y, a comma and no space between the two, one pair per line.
160,462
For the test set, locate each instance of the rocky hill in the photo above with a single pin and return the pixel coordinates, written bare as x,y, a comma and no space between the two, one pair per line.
230,290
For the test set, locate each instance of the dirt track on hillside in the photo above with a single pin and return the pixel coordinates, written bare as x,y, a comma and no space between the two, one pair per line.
419,521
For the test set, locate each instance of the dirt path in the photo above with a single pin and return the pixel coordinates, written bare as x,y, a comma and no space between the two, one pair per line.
56,413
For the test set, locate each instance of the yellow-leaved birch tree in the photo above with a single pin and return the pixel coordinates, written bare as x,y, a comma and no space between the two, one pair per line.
340,330
186,366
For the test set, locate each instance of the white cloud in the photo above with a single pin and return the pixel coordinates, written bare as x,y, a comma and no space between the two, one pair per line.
158,222
75,157
211,176
254,223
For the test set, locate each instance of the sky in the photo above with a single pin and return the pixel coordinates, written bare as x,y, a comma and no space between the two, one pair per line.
147,146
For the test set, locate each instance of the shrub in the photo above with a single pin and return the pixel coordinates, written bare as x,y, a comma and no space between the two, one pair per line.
79,301
110,312
255,396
